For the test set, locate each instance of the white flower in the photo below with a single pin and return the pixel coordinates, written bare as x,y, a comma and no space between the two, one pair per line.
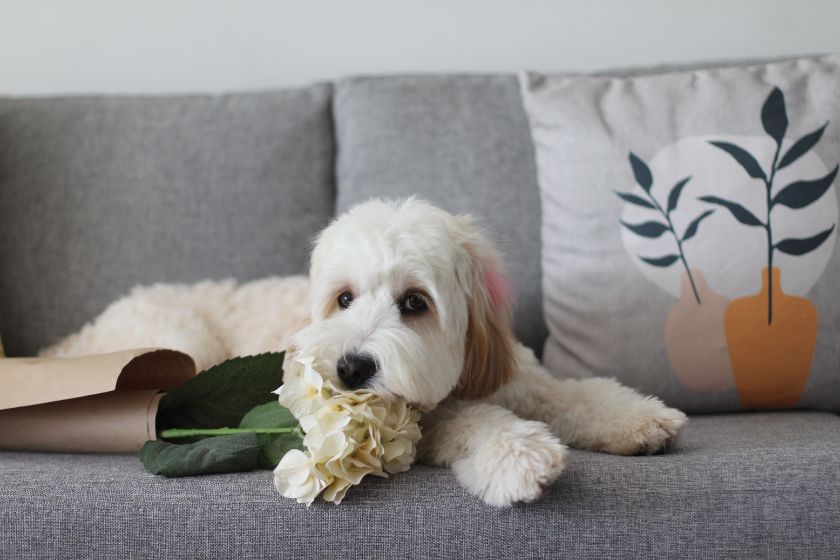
349,435
303,390
325,435
336,490
362,460
298,477
400,435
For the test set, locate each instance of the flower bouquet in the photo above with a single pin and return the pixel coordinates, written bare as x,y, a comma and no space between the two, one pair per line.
349,434
320,439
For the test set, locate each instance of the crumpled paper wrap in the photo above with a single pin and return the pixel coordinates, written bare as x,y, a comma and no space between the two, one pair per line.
97,404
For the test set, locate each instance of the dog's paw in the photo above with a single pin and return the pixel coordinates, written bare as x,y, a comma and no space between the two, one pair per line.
613,418
516,465
647,432
645,428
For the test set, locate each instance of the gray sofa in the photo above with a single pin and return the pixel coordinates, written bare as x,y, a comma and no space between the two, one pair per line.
100,193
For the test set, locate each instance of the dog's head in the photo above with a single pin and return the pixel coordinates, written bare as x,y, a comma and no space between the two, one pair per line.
409,301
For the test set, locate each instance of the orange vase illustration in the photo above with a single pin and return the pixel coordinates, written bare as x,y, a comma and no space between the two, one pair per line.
695,338
771,356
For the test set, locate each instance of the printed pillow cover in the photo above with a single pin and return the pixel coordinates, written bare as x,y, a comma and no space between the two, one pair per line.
690,231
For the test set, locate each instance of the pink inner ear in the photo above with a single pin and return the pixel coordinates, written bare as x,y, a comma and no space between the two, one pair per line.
497,287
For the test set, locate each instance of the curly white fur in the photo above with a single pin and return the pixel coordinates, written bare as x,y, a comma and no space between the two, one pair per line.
493,413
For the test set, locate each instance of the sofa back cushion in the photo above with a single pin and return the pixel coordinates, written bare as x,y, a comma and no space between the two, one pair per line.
98,194
460,142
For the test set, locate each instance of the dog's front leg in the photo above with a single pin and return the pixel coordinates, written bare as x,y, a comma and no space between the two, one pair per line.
496,455
598,414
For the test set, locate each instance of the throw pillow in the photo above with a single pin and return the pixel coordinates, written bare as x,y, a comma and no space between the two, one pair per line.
690,230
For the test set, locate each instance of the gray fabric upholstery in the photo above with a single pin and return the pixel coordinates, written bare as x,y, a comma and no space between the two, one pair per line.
461,142
100,194
182,188
740,486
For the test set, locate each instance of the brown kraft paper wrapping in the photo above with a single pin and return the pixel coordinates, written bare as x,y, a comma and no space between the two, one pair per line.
115,422
97,404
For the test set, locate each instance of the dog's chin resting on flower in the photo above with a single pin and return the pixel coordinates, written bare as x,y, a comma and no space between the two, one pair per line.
410,302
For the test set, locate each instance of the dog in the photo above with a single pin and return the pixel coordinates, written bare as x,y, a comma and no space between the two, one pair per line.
411,302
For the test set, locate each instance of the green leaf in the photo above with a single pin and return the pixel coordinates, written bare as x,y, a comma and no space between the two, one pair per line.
743,157
269,415
802,146
691,230
641,172
273,446
674,197
739,212
647,229
803,193
805,245
275,427
662,262
774,116
637,200
220,454
223,394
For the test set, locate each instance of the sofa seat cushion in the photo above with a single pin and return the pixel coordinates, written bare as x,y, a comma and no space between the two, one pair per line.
751,485
98,194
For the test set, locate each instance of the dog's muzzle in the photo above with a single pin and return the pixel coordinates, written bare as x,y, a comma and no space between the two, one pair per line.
355,370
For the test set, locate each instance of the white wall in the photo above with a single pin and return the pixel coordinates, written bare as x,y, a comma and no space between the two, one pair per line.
80,46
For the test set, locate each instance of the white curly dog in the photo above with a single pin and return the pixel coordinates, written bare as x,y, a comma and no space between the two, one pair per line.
408,301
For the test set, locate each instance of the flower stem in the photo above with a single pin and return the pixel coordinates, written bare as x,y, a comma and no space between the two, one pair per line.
174,433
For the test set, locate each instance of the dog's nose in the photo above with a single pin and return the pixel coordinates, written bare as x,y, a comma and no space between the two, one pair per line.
354,371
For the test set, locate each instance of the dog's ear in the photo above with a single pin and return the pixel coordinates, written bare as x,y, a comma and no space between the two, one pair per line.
488,352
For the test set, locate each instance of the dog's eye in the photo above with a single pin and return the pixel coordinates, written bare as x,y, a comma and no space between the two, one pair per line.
345,299
412,304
